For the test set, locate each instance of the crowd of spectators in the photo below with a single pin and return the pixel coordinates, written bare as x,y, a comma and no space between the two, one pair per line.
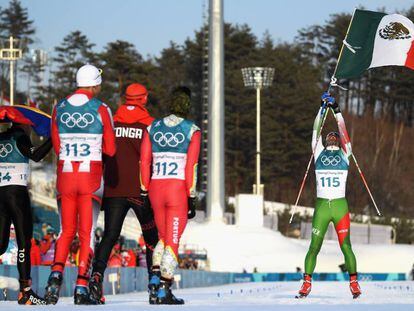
43,251
187,262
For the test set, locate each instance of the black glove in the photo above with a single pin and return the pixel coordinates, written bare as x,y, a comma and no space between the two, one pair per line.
335,107
145,199
192,202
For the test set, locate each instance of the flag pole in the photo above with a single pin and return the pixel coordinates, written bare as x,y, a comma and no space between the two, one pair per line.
333,78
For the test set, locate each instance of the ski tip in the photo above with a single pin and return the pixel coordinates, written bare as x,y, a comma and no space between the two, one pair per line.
300,296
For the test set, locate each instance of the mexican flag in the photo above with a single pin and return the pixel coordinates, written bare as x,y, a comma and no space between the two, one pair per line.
376,39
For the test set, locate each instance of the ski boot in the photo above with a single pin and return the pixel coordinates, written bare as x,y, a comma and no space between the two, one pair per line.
81,296
354,286
153,286
27,296
96,288
306,286
165,296
53,287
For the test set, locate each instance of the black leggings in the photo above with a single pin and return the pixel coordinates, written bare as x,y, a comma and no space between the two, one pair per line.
15,208
116,210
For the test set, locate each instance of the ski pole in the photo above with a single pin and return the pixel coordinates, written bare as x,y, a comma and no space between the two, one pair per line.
363,177
366,185
293,212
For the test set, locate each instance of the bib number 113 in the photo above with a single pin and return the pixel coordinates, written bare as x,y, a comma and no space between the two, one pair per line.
82,151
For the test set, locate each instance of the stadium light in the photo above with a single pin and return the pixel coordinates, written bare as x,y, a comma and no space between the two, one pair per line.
258,78
11,54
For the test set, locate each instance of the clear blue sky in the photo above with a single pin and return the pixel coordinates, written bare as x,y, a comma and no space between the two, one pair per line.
151,24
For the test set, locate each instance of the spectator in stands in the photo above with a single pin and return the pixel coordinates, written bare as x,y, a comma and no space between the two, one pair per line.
73,257
128,258
47,247
133,258
115,259
141,241
45,226
188,263
98,237
141,256
35,254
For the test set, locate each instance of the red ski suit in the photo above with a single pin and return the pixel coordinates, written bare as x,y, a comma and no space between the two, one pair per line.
82,129
169,193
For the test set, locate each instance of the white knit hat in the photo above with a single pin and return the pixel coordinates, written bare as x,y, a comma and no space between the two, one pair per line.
88,75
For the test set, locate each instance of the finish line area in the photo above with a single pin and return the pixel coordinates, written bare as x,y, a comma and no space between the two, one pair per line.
263,296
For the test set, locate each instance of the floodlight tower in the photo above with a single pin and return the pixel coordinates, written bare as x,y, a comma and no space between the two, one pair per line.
11,54
258,78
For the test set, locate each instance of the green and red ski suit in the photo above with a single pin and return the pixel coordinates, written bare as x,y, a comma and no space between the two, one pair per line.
331,170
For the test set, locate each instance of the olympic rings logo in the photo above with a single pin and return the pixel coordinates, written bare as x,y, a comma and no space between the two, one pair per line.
168,139
5,149
331,160
77,119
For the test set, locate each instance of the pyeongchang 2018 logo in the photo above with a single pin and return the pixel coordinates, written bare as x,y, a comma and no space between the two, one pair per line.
77,119
5,150
168,139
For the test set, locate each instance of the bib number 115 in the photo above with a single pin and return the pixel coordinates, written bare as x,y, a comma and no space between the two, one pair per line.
330,181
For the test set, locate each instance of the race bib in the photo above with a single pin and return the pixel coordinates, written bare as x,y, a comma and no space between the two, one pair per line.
14,174
169,165
80,147
331,184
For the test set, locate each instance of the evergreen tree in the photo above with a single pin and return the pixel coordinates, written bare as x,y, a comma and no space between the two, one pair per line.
123,65
74,52
14,21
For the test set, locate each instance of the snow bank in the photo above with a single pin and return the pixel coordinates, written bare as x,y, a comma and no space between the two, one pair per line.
233,248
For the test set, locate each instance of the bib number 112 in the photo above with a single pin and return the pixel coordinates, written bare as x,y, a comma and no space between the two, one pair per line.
166,169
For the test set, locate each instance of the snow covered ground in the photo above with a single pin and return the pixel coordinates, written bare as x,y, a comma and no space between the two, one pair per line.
233,248
384,296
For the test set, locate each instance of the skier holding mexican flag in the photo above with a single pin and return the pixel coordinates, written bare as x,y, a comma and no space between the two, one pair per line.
373,39
331,170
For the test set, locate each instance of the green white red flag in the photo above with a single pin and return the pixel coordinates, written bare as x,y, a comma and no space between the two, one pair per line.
376,39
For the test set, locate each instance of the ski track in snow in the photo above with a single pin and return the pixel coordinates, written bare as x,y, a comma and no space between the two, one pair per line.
279,296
